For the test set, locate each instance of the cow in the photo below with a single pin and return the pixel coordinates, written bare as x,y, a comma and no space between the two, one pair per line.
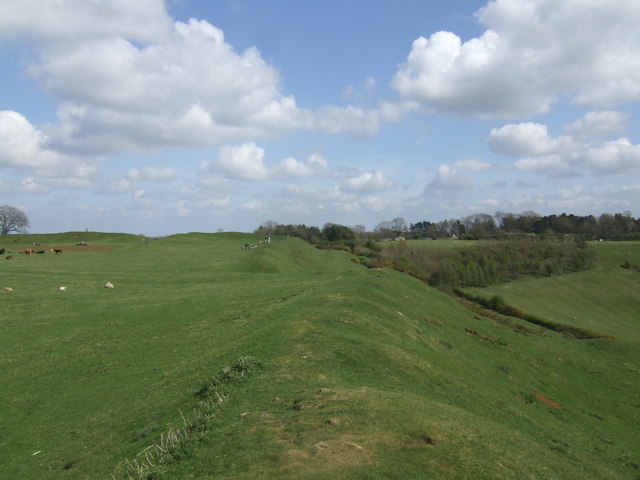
1,251
57,251
29,251
8,257
40,252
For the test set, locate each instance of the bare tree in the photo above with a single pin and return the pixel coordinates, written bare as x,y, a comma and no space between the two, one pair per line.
12,220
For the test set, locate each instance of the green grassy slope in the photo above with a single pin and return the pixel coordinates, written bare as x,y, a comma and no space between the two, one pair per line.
366,373
605,299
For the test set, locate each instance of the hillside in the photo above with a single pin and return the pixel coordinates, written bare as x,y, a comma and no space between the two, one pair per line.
363,373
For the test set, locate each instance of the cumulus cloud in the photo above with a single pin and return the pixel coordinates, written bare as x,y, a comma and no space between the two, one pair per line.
24,149
613,158
548,165
569,156
449,178
50,22
118,185
527,139
616,157
529,55
315,166
368,182
192,89
457,176
244,162
130,77
155,174
356,121
598,124
23,144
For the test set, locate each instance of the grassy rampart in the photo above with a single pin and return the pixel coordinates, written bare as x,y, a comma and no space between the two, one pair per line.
364,373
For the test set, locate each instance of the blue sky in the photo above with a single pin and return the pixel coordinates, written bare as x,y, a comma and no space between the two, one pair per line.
189,115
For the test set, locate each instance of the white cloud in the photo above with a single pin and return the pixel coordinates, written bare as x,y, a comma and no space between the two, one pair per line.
187,87
243,162
566,156
151,173
457,176
368,182
254,205
118,185
375,204
127,77
532,52
450,178
51,22
211,203
22,144
598,124
24,149
45,185
247,162
617,157
527,139
290,167
357,121
547,165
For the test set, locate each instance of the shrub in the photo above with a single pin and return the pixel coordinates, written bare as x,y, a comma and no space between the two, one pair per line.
372,245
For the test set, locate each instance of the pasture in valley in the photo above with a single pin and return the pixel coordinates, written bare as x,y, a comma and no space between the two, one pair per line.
355,373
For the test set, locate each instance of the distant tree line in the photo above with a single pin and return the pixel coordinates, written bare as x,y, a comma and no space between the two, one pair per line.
618,226
331,233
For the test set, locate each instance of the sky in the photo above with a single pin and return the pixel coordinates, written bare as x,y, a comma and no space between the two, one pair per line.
160,117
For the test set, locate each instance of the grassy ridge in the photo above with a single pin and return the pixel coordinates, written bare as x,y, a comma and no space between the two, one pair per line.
365,373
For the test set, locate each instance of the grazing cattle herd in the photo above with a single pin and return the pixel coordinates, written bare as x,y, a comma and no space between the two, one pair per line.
58,251
32,251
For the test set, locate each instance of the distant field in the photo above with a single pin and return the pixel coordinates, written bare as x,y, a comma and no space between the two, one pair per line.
365,373
605,299
439,244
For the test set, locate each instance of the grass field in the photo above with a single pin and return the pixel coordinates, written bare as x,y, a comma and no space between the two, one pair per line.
365,373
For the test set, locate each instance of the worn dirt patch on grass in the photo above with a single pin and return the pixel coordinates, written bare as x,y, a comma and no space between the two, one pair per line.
547,400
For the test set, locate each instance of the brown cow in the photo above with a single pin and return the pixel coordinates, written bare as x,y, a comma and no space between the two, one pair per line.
29,251
56,251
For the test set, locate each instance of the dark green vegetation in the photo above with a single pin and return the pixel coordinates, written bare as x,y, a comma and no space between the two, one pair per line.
494,262
481,225
288,361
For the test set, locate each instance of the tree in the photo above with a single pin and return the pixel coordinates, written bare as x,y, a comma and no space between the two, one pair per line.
12,220
338,233
399,226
